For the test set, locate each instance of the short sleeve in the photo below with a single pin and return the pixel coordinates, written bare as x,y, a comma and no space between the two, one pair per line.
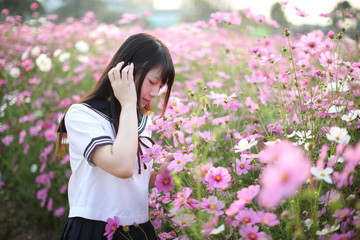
85,131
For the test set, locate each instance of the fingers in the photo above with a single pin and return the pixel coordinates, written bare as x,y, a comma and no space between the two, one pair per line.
127,73
114,73
169,157
117,70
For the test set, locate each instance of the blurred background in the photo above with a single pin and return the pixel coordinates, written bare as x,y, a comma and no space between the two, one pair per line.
301,15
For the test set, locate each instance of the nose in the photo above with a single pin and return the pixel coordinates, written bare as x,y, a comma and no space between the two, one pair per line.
154,91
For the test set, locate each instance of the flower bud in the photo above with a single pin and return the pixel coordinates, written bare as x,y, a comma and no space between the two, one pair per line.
287,32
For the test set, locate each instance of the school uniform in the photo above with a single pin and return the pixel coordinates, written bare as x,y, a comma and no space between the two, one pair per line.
94,194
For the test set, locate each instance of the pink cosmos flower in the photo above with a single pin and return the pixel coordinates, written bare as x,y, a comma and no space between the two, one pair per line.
202,170
244,196
243,165
230,17
183,199
251,104
111,226
260,19
223,75
218,177
34,6
179,161
193,123
247,216
329,197
342,214
311,43
160,125
328,59
326,15
22,136
207,137
301,13
59,212
212,205
268,219
184,220
5,11
50,204
166,235
151,153
7,140
286,176
42,195
164,181
251,232
343,236
178,136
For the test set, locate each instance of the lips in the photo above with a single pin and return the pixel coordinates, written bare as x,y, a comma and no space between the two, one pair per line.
146,101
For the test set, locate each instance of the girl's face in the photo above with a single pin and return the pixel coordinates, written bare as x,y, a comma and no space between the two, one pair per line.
150,87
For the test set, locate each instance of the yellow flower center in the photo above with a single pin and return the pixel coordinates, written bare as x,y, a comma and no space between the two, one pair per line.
178,161
242,166
217,178
160,127
252,236
151,154
166,181
212,206
246,220
284,177
177,111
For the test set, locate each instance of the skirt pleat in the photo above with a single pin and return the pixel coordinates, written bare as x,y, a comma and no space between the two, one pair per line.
78,228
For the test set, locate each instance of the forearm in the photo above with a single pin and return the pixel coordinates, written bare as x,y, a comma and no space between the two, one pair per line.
125,144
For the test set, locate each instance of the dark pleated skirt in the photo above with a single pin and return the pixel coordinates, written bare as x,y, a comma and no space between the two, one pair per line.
78,228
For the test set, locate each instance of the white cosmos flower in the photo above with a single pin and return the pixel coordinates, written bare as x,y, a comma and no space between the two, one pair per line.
322,174
33,168
218,229
57,52
83,58
82,46
353,114
36,51
44,63
326,231
338,135
64,56
335,109
303,135
308,222
24,55
337,87
14,72
243,145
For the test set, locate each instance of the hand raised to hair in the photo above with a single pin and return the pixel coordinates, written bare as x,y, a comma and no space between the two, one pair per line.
123,84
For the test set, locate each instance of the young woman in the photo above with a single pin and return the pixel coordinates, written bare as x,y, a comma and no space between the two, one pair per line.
107,132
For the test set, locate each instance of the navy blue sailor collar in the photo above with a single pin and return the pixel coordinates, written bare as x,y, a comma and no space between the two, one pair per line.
102,107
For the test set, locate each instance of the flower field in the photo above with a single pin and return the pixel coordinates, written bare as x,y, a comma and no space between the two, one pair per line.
265,130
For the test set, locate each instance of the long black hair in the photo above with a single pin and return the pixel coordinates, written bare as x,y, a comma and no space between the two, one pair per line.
146,52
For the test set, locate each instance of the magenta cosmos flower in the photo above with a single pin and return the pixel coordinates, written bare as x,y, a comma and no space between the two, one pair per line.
111,226
218,177
164,181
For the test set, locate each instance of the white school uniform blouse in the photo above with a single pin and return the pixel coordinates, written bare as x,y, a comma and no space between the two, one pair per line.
94,193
